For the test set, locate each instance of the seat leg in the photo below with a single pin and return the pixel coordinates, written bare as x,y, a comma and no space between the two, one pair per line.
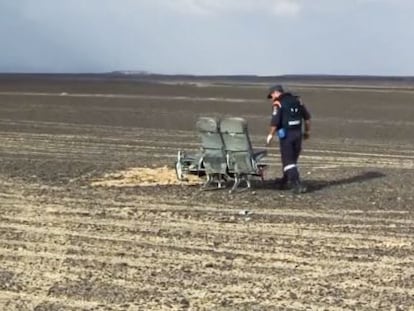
208,182
246,178
236,184
248,182
179,166
261,172
179,171
219,184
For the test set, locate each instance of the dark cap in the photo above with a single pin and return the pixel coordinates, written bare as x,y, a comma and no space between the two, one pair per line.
275,88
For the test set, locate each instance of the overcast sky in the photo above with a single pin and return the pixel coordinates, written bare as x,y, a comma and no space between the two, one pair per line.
263,37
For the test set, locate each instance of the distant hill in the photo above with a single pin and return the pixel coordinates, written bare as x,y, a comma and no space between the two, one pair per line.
143,76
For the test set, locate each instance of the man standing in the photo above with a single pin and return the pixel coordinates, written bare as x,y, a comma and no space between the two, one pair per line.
288,116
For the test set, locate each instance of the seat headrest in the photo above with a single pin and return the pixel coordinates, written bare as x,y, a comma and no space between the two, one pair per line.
206,124
233,125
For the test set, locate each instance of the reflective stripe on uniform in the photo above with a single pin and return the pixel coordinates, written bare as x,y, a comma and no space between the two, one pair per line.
289,167
296,122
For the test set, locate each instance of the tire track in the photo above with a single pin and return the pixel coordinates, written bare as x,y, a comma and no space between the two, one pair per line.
70,147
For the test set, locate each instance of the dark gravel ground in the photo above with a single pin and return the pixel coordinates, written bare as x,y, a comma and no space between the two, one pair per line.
65,245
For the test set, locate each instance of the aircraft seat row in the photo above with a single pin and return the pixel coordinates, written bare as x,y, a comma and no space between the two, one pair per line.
226,154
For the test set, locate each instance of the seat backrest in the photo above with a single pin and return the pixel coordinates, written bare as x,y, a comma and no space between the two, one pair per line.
208,130
235,135
214,156
237,145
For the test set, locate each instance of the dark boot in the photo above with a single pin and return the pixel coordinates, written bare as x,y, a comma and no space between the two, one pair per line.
298,188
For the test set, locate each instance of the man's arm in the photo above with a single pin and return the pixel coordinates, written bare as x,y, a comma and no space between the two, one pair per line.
274,123
307,118
306,135
272,133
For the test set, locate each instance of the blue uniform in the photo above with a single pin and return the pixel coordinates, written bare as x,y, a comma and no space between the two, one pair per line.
287,117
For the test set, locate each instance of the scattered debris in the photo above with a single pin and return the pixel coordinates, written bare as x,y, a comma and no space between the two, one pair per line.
245,213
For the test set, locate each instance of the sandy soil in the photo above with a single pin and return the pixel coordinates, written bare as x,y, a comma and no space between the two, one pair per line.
145,177
148,243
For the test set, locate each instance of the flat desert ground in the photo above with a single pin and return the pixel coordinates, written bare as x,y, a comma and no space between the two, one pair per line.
91,219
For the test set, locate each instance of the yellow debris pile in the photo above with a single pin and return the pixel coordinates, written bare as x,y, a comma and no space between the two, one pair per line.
144,177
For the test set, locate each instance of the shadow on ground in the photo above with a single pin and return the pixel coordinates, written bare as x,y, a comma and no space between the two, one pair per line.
317,185
360,178
257,185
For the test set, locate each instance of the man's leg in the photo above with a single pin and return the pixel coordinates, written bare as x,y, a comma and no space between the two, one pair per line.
297,147
290,172
283,182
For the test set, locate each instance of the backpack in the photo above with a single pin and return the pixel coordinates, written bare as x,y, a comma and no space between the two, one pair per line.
291,110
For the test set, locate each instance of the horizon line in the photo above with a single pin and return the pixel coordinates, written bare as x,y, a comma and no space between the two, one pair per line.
146,73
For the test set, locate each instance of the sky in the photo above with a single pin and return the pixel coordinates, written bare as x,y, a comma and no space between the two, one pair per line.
208,37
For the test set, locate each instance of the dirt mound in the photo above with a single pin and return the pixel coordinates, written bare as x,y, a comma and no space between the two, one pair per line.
142,176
